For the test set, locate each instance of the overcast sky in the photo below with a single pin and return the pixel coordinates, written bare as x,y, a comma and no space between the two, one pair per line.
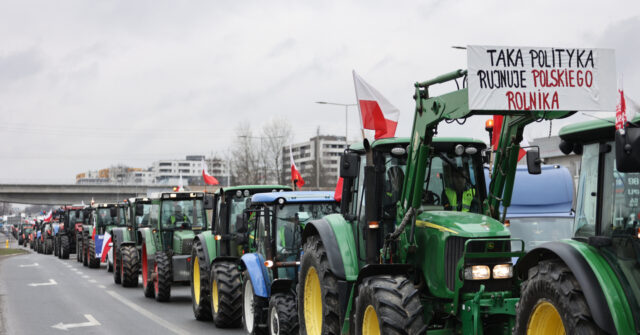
88,84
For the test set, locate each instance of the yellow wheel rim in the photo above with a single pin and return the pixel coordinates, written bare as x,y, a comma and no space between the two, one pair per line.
545,319
196,280
214,295
312,303
370,324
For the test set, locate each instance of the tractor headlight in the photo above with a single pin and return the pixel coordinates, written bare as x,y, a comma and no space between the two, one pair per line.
502,271
477,272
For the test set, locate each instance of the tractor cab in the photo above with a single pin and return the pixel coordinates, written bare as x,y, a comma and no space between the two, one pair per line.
181,215
107,216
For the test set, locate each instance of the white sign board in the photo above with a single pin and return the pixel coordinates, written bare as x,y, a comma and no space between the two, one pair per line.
525,78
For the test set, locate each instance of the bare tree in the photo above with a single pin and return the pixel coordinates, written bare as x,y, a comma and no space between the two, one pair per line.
243,157
276,133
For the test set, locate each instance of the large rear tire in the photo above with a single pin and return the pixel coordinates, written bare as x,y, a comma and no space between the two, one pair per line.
283,315
55,247
129,265
163,278
318,300
117,264
48,246
552,302
65,247
147,280
94,262
200,297
254,309
388,305
79,249
226,295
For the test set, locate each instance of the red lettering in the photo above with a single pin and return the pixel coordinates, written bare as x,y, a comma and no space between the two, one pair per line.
535,74
579,78
510,100
554,78
561,78
571,79
554,101
588,78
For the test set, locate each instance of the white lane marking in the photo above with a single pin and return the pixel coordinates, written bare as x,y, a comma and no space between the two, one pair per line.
102,286
92,322
29,265
85,277
51,282
92,281
160,321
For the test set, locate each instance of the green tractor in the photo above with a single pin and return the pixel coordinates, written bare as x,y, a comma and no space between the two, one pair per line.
126,249
591,283
216,254
418,246
166,243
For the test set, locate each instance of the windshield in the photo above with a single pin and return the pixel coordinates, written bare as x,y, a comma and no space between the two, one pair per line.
142,219
76,215
236,210
537,230
105,219
291,218
451,183
182,214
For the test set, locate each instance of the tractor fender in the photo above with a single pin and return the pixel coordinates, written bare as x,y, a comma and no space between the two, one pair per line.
254,263
149,243
583,272
117,236
337,237
208,246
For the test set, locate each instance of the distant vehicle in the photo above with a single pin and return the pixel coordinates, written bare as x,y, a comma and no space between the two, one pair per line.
541,205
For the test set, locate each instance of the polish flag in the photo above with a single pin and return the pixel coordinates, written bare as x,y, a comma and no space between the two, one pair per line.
208,179
621,112
337,194
296,177
48,217
495,136
377,113
106,245
180,184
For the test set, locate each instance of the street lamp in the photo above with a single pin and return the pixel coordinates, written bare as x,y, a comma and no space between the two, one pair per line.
346,116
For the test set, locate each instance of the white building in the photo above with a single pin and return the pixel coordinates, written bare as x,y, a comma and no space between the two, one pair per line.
304,154
169,171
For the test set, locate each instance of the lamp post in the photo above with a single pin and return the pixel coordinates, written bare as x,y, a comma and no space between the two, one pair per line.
346,116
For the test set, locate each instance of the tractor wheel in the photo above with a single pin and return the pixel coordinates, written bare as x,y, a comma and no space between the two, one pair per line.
48,246
200,301
388,305
109,263
85,252
117,265
94,262
552,302
129,266
65,247
283,315
55,247
317,291
226,295
163,277
147,281
78,248
253,309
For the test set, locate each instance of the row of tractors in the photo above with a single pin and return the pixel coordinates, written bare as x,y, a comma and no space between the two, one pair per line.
417,243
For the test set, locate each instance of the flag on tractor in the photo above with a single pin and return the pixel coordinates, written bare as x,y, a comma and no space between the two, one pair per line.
376,111
208,179
296,177
180,186
106,245
337,193
48,217
621,112
495,136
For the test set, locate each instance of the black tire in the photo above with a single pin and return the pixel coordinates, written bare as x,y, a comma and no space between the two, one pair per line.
79,252
48,246
396,304
117,264
283,314
129,265
226,277
315,257
254,315
20,241
551,281
163,277
65,247
109,265
202,305
55,247
94,262
147,278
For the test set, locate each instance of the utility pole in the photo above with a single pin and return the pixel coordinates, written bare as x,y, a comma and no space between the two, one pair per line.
318,158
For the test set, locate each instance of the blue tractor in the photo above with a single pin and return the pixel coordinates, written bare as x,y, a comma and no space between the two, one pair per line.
276,220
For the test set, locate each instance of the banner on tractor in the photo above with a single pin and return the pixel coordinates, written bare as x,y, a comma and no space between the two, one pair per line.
526,78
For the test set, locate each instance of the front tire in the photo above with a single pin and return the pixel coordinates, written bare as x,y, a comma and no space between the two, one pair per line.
318,302
117,265
253,308
283,315
388,305
65,247
163,277
226,295
200,299
552,302
147,281
94,262
129,265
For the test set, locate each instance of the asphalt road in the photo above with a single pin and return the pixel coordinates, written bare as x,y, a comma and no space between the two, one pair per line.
38,292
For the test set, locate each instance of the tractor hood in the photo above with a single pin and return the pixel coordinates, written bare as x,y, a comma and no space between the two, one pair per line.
462,224
183,241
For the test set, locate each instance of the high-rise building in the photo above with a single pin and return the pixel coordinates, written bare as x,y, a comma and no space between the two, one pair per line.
327,162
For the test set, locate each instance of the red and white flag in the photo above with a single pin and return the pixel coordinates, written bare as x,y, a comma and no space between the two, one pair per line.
495,136
106,245
621,111
48,217
377,112
208,179
180,186
296,177
337,193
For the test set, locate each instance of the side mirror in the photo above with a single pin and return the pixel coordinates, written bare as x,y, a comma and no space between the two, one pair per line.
349,165
628,150
208,201
113,211
486,156
533,161
139,209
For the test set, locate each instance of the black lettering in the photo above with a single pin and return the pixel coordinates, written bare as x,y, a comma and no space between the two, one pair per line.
571,53
491,52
